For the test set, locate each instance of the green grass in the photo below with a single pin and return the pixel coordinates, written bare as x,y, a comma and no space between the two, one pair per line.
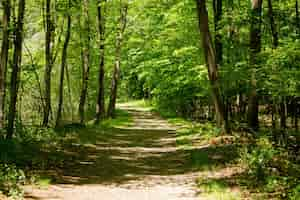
123,118
37,150
43,181
217,190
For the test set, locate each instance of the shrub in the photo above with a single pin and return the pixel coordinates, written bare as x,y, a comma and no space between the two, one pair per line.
258,159
11,180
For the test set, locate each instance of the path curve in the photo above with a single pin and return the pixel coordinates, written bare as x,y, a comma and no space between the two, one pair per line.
139,162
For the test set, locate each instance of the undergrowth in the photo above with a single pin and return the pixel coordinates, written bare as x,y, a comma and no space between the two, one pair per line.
37,149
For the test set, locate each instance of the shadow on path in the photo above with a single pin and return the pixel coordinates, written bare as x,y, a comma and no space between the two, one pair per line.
130,156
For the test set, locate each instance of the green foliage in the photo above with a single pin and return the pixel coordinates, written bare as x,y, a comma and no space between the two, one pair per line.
295,193
123,119
11,180
258,159
217,189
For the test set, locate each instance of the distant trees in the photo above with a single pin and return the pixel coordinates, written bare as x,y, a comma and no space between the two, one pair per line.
228,82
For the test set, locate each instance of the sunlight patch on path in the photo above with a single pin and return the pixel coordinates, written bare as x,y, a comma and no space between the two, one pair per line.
139,162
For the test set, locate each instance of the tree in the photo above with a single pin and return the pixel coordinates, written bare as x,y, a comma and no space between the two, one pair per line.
4,58
211,62
63,66
16,63
255,46
85,60
116,73
217,5
49,62
297,18
100,108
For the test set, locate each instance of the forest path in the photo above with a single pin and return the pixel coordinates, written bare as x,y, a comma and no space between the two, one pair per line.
136,162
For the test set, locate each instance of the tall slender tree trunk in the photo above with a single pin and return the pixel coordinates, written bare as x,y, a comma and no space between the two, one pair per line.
4,59
62,72
275,43
100,112
210,57
297,18
69,93
273,25
217,5
255,47
17,60
86,61
48,67
116,73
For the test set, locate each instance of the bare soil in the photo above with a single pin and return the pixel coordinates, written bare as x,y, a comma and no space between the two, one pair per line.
137,162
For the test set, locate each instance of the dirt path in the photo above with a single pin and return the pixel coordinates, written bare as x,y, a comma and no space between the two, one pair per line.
139,162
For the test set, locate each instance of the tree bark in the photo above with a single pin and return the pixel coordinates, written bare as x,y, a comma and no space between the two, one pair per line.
217,5
49,64
210,57
4,59
273,25
62,72
17,60
275,43
255,46
86,61
100,112
297,18
116,73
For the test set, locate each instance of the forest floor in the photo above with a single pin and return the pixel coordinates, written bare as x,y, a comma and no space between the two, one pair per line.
138,161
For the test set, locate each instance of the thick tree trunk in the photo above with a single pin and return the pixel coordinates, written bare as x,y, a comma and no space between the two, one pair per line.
17,60
100,112
48,67
255,46
210,57
62,72
4,58
116,73
86,61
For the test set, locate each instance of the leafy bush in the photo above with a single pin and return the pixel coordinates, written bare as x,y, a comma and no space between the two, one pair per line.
11,180
295,193
259,158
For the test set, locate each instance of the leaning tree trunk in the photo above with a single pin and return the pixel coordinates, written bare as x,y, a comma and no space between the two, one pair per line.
255,46
85,61
100,112
4,58
116,73
49,64
210,57
17,60
62,72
